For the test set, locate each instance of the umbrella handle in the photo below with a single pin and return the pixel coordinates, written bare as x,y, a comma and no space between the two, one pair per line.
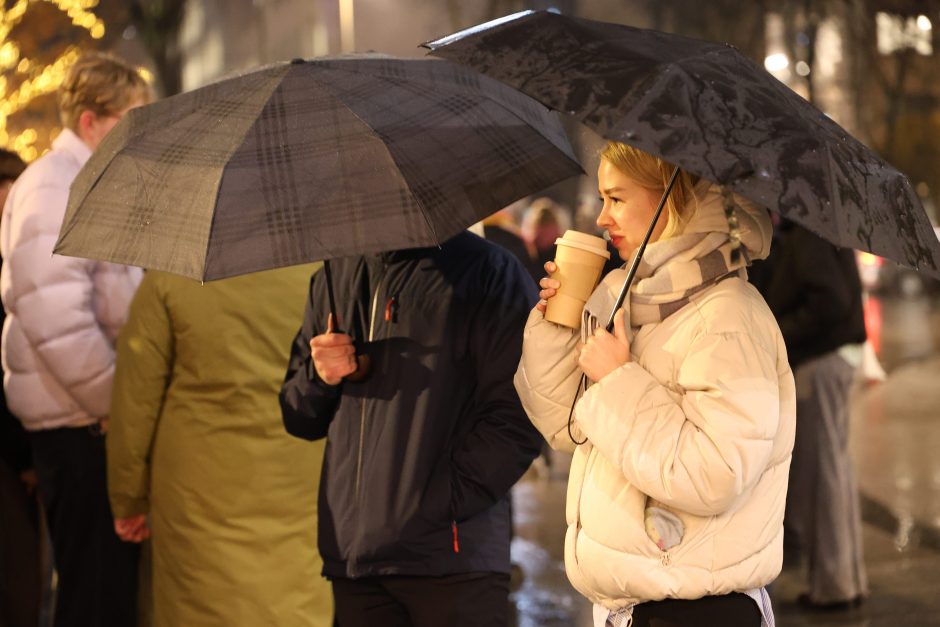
631,273
329,291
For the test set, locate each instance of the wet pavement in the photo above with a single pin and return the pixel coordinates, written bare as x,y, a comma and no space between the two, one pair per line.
896,446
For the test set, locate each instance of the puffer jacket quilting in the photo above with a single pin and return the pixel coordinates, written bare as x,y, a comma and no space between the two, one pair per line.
63,313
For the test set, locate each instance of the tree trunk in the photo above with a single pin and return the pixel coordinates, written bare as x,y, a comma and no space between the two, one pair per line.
159,23
896,101
812,30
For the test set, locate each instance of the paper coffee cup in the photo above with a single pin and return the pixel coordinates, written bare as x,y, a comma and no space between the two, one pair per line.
579,261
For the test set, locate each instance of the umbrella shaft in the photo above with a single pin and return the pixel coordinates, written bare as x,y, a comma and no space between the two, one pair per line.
329,293
639,252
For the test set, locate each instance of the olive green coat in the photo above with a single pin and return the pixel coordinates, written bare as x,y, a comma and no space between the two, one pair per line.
196,441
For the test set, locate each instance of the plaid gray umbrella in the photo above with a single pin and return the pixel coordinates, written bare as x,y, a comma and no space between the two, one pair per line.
708,109
310,160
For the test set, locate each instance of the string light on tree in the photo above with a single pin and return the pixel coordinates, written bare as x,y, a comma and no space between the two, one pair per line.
39,78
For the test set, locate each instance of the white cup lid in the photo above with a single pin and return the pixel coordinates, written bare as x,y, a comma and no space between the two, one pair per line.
590,243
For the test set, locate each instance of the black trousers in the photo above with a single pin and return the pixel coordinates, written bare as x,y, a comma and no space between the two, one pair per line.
20,579
464,600
729,610
97,585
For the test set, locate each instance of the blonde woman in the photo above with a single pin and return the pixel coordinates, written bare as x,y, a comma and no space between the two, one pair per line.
676,495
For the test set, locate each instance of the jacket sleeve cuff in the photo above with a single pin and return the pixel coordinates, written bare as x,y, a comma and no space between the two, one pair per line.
318,386
127,506
308,403
547,378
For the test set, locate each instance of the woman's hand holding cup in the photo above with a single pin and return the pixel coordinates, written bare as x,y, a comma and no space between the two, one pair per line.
575,270
548,286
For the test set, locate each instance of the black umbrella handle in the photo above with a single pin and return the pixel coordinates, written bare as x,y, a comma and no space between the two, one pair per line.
631,273
329,293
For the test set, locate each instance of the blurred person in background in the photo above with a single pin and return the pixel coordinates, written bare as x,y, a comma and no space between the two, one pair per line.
20,578
501,229
815,292
542,223
11,166
196,444
63,317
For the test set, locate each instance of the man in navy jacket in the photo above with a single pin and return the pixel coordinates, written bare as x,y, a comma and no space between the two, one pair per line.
414,523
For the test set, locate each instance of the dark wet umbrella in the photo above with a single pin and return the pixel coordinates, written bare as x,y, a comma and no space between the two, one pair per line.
303,161
708,109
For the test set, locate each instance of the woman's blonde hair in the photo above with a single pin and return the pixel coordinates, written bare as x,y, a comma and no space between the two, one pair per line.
653,173
100,83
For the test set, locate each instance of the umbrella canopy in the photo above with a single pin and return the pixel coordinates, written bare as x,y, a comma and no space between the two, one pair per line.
708,109
309,160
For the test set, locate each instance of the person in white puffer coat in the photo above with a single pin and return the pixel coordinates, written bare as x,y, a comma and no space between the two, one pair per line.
63,315
677,488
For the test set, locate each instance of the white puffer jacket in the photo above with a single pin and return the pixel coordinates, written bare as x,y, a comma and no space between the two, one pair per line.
63,313
702,420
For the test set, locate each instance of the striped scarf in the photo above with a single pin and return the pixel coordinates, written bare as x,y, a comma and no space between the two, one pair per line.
675,269
725,233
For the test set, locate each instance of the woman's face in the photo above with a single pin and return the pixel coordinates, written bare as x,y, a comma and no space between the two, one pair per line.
628,209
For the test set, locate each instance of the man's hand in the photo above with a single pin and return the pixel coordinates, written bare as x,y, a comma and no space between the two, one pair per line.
132,529
604,353
333,354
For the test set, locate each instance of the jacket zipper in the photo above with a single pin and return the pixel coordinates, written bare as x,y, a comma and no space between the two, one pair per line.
362,415
668,556
391,317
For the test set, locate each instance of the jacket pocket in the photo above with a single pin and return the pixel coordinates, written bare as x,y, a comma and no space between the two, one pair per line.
693,539
663,527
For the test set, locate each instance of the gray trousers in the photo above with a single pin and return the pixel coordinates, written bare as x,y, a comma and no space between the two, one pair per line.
822,520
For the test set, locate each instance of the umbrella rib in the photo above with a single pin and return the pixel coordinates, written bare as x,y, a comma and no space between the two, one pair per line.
372,131
514,114
495,85
498,85
831,184
275,80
